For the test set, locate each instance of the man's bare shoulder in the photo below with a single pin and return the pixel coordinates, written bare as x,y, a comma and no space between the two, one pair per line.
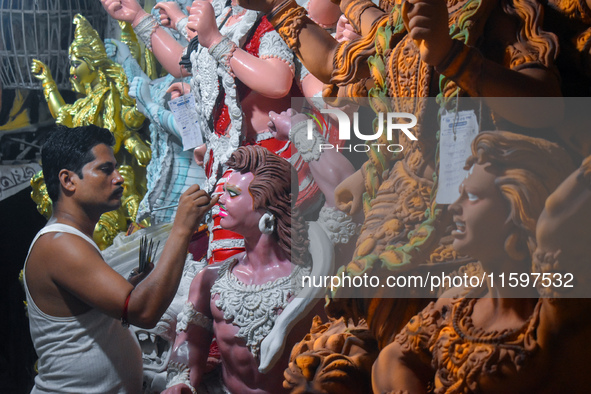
55,252
63,261
68,260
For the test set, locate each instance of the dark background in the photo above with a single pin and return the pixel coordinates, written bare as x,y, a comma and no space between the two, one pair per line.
19,223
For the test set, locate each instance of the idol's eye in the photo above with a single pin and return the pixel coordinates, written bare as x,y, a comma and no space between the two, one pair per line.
231,191
472,197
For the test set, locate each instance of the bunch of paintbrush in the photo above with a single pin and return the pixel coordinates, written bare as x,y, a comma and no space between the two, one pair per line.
147,253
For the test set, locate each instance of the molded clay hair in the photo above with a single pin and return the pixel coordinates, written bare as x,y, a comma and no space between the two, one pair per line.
528,169
275,189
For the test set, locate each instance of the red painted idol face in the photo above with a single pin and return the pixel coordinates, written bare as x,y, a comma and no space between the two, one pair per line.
481,217
237,205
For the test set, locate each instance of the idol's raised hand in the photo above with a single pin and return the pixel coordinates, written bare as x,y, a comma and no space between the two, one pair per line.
202,22
170,13
123,10
427,24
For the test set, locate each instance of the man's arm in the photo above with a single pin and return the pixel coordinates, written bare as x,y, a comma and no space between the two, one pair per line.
80,270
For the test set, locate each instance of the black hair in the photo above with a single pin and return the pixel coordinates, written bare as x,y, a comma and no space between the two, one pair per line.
70,149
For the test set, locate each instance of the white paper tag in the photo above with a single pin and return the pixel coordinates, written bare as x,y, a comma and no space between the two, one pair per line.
185,115
458,130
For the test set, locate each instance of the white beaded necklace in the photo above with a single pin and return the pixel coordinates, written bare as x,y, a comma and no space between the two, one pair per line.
254,308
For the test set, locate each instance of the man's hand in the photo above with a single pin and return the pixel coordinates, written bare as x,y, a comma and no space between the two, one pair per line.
202,22
40,71
428,25
136,277
193,205
170,13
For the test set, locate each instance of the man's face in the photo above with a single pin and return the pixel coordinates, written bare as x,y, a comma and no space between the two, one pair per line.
101,186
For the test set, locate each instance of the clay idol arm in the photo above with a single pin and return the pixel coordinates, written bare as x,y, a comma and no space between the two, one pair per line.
194,334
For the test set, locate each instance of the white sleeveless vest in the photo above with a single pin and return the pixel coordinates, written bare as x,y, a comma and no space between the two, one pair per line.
87,353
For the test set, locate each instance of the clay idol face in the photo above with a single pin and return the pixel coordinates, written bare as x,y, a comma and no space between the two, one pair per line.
237,206
480,216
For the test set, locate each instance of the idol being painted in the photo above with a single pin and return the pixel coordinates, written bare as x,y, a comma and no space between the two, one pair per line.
105,103
249,302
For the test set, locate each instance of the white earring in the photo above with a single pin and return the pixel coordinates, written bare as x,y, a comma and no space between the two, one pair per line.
267,223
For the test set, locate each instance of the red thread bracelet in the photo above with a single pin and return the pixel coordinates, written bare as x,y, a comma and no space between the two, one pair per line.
124,321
